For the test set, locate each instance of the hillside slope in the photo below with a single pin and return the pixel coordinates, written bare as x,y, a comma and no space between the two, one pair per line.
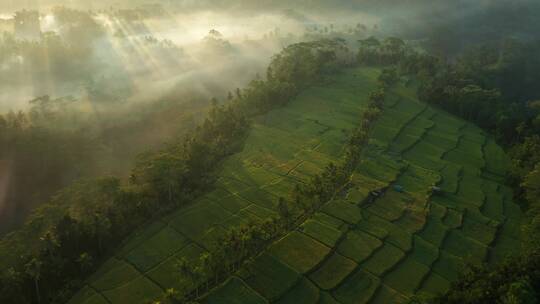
286,146
363,248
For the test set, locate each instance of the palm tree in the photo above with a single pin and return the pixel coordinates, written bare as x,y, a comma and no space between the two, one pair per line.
283,211
196,274
171,295
85,262
102,228
33,269
232,249
206,267
220,262
183,269
244,240
50,243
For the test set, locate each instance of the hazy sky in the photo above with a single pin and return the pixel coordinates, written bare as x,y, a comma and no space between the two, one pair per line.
244,23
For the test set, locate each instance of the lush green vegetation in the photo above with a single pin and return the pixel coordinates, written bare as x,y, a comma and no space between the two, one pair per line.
492,85
412,239
256,184
67,238
367,184
376,196
56,142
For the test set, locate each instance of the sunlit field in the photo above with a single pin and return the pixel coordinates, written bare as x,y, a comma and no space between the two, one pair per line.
409,241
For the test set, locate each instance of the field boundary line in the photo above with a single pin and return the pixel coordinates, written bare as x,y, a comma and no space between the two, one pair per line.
124,283
99,293
145,275
247,286
171,255
405,126
382,284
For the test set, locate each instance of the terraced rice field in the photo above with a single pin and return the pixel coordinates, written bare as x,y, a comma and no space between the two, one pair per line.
359,248
287,146
362,248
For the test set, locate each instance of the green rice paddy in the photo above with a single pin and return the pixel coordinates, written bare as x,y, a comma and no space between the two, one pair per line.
417,240
353,250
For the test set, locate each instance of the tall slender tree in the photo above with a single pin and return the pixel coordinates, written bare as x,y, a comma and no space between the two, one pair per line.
33,269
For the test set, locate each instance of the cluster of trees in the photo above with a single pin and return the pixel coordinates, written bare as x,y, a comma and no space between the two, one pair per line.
65,55
401,58
36,157
57,141
389,51
215,43
508,121
509,65
176,172
244,242
388,77
514,281
68,237
223,259
286,75
77,26
53,56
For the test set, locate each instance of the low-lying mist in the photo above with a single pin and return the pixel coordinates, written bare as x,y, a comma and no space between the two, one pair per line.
84,92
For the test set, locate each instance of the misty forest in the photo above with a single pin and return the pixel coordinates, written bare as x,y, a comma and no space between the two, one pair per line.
235,151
